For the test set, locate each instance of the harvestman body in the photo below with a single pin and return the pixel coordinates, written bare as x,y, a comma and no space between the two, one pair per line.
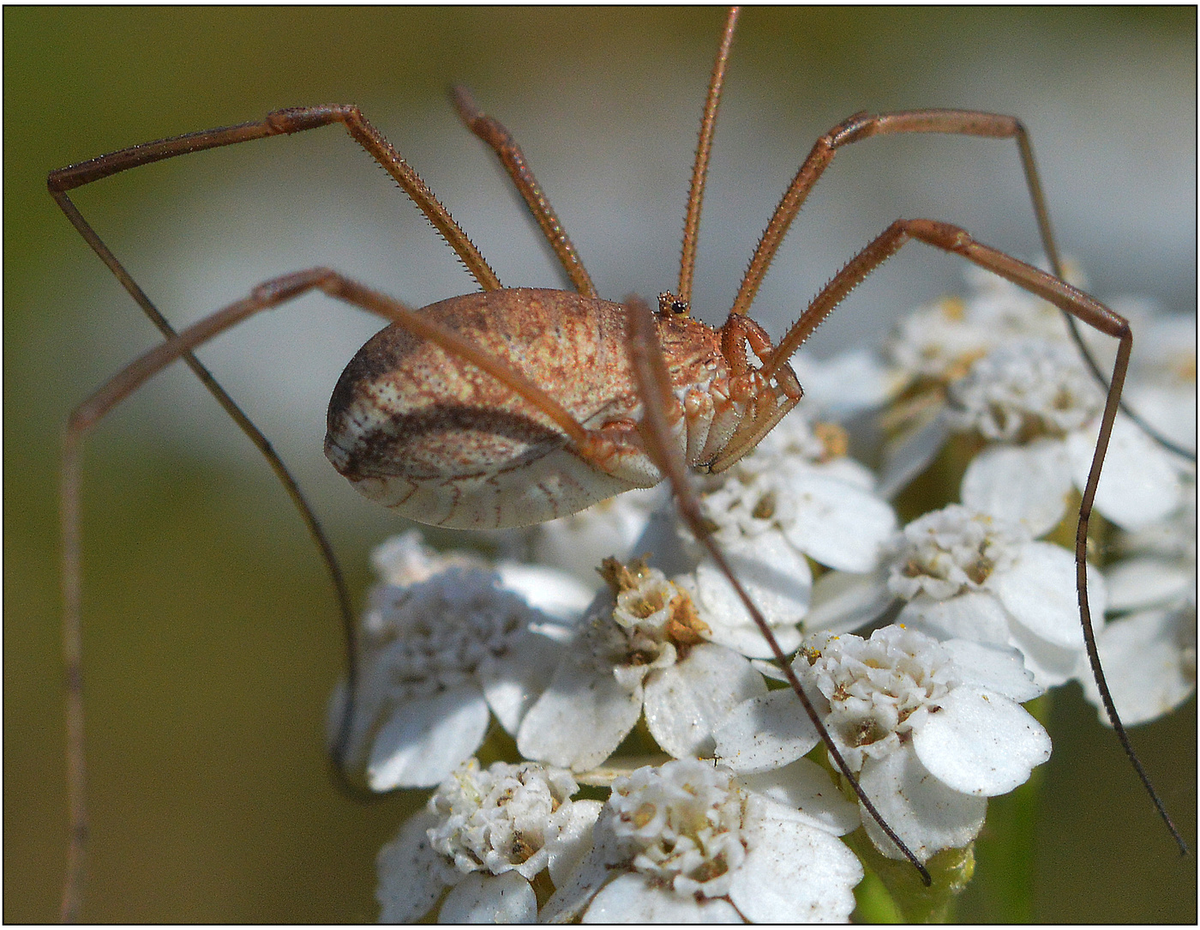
515,406
485,459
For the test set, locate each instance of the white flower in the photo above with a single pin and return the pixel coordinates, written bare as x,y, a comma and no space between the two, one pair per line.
650,649
686,843
966,575
1041,409
1003,363
1149,649
800,483
485,835
796,496
931,729
440,655
935,346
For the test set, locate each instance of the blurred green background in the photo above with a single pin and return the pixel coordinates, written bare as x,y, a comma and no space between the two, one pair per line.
211,641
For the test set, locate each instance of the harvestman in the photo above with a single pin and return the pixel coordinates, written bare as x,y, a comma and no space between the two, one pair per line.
495,430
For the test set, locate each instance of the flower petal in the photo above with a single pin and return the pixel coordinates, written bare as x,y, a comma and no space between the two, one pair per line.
1146,582
975,615
1138,484
549,590
1039,591
1150,664
575,892
482,898
794,873
923,811
685,702
411,875
997,668
778,580
1027,483
981,743
765,733
808,790
838,524
424,740
844,601
514,680
582,716
635,899
913,453
574,841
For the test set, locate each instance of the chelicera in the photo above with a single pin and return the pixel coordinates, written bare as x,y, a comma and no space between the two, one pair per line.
511,406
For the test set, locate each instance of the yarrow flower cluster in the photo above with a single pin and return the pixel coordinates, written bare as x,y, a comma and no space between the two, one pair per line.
684,842
962,574
441,652
930,729
485,836
608,651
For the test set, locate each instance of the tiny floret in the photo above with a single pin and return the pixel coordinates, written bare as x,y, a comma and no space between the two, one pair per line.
951,551
1024,390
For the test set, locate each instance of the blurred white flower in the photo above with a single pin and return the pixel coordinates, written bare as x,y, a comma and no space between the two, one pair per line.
442,652
485,835
930,729
1000,365
935,347
1040,408
686,843
1148,648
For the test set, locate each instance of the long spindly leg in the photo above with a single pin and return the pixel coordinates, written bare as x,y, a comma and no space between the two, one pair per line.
491,131
62,181
708,125
307,514
953,122
505,146
1069,299
271,294
654,384
286,122
864,126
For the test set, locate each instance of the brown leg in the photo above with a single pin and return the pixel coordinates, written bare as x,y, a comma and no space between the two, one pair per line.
286,122
271,294
954,122
513,159
1069,299
864,126
708,124
654,384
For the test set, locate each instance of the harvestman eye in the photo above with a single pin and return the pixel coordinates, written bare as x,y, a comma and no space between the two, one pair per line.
511,406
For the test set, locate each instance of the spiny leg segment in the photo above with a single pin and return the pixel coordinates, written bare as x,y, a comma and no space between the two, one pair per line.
59,183
1070,300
